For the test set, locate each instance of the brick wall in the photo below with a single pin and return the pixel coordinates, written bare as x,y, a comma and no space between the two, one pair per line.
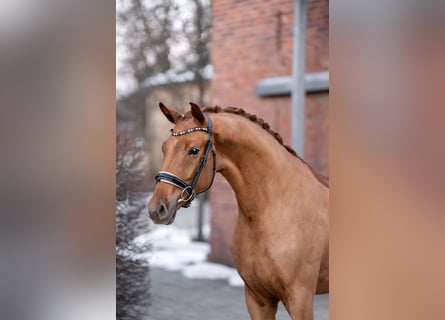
252,40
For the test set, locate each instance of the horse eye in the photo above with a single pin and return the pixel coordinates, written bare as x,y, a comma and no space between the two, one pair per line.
193,151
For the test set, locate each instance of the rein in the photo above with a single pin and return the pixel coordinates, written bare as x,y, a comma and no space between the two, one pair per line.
188,193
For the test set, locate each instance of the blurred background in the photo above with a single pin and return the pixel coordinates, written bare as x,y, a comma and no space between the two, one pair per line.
163,54
270,58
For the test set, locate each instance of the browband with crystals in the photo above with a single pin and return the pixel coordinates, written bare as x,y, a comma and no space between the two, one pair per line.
181,133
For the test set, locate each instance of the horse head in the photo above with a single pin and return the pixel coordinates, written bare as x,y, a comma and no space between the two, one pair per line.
189,164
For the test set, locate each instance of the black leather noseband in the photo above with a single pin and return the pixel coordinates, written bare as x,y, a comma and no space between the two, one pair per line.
188,193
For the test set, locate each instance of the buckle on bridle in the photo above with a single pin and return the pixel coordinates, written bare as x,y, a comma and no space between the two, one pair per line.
190,196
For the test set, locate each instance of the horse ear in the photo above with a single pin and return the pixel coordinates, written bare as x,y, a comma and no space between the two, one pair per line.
197,113
171,115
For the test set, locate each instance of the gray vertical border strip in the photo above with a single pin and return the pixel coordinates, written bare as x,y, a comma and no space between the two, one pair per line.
298,72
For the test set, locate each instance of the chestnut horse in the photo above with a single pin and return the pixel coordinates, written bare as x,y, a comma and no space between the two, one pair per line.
280,243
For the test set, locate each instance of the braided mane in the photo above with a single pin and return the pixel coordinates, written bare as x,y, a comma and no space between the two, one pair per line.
259,121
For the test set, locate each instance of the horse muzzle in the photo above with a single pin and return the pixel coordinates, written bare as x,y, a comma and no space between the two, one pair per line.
162,213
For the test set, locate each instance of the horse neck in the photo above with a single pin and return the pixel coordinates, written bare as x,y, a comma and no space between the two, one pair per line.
252,161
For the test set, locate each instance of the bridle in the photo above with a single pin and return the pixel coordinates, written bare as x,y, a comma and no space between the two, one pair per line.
188,190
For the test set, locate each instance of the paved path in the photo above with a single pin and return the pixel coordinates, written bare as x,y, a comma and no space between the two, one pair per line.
175,297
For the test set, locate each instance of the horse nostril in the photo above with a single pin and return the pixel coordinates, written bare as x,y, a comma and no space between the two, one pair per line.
162,211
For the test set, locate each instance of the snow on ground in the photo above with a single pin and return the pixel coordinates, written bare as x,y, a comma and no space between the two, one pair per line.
174,250
207,270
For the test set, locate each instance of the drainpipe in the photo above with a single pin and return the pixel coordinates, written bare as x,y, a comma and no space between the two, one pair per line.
298,71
